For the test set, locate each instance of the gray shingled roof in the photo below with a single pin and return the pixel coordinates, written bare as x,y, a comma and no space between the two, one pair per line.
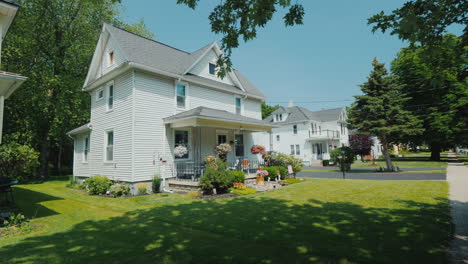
81,129
301,114
14,2
210,113
160,56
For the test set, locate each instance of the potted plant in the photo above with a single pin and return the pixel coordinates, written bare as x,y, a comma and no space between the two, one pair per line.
261,173
258,149
222,150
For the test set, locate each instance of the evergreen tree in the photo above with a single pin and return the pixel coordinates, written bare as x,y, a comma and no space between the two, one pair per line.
379,111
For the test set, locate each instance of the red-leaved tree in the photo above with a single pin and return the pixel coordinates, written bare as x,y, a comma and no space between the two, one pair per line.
361,145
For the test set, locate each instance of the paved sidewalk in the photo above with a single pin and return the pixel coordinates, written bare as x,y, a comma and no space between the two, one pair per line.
457,177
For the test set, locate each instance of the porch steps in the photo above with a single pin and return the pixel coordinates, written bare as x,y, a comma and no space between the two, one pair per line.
183,186
316,163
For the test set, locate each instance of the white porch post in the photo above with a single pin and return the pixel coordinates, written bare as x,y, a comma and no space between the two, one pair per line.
2,103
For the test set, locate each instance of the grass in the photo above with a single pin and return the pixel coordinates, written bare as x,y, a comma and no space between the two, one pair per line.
403,163
372,171
316,221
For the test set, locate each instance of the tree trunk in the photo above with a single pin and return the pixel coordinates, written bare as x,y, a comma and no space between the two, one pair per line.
44,158
435,152
388,161
59,161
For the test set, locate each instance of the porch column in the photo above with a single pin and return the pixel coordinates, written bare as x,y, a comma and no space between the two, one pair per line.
2,103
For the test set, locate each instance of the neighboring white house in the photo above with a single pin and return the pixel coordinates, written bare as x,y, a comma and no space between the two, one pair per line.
307,135
9,82
148,98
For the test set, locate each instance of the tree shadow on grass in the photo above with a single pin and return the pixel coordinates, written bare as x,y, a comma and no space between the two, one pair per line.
250,230
31,205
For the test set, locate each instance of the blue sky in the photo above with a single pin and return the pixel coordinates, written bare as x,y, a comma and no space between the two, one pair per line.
323,60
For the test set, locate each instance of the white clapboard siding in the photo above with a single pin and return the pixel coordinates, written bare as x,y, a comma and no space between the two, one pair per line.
120,120
252,108
202,68
79,167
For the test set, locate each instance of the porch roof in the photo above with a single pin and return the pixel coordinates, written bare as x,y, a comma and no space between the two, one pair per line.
209,117
82,129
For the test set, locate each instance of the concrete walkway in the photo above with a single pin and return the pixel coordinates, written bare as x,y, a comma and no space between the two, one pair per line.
457,177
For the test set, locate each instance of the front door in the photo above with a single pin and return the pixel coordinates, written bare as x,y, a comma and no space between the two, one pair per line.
319,151
239,143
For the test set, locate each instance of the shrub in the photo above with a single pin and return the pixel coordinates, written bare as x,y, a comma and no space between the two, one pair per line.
142,188
97,184
292,181
239,186
14,220
325,163
156,183
284,160
217,179
273,172
245,191
119,189
18,162
343,157
237,176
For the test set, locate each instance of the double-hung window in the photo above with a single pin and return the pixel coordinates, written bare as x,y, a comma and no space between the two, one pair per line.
110,97
238,105
295,129
222,138
181,138
109,145
86,149
181,95
298,151
292,149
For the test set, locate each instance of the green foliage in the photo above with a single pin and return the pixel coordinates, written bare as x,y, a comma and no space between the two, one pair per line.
142,189
268,109
273,172
138,28
156,183
283,160
193,194
244,191
14,220
435,77
119,189
18,162
97,184
239,20
218,179
325,163
52,43
380,110
423,21
344,157
292,180
237,176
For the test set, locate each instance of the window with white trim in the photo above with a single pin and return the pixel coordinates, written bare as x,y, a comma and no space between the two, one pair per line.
238,105
295,129
181,139
292,149
212,68
99,94
111,58
298,151
222,138
278,138
110,145
85,148
110,97
181,95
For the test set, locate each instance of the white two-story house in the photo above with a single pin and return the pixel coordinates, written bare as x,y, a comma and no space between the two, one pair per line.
148,98
9,82
305,134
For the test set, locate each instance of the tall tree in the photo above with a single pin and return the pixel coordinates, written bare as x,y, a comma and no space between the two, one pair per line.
268,109
361,144
423,21
52,42
435,78
240,19
379,111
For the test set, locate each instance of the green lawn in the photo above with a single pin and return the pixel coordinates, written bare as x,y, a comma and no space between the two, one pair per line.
372,171
403,163
317,221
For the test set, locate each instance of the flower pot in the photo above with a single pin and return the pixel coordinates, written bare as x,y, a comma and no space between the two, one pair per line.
260,180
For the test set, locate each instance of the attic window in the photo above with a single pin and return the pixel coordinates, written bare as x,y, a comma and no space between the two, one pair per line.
111,58
212,68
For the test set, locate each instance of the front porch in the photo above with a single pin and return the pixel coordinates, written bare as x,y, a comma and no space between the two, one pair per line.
201,129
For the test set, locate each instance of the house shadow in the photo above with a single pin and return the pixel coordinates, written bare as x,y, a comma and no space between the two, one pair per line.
250,230
32,207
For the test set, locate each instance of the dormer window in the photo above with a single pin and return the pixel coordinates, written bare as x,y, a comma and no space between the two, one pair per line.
278,117
212,68
111,58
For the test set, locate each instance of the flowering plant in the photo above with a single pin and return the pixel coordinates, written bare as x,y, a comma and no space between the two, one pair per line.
262,172
258,149
239,186
180,151
210,159
223,149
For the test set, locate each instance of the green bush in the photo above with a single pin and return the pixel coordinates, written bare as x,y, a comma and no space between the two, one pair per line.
18,162
281,159
156,183
119,189
292,181
273,172
237,176
220,180
14,220
97,184
142,188
343,157
245,191
325,163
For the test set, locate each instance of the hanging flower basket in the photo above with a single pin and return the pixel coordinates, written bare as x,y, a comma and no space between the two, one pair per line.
222,150
180,151
258,149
